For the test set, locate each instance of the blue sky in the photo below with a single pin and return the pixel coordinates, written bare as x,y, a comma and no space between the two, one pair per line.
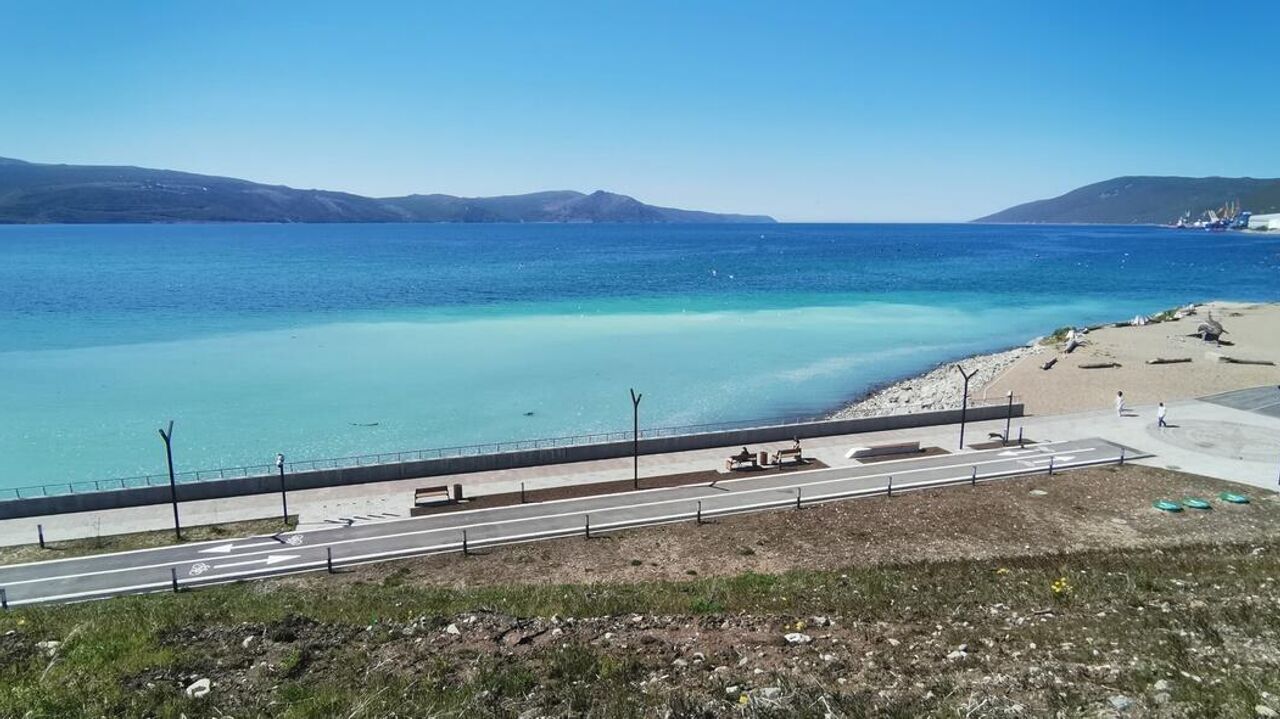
810,111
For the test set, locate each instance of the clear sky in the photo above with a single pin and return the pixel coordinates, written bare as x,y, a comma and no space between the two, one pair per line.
857,111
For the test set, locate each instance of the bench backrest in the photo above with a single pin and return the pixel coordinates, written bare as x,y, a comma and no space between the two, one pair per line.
424,492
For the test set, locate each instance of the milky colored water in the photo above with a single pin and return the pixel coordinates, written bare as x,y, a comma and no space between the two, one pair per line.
324,341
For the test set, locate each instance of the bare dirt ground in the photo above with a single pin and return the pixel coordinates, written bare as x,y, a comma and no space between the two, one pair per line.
1100,508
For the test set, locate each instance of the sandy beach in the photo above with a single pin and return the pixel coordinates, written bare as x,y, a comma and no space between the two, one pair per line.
1252,334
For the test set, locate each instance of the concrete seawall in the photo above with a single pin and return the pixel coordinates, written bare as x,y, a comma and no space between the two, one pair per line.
215,489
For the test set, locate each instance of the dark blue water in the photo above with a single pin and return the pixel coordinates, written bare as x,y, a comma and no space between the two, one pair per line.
259,338
68,286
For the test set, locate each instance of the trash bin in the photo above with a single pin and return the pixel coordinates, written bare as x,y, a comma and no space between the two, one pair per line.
457,492
763,456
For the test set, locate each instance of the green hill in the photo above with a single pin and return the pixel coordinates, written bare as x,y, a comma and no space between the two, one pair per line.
36,193
1146,200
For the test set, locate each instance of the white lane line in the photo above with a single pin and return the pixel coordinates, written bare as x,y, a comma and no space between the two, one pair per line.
542,517
511,539
720,483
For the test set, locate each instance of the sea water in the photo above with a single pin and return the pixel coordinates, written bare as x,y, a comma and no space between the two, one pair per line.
332,340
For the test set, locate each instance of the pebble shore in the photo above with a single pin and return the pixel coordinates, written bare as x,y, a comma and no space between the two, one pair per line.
939,388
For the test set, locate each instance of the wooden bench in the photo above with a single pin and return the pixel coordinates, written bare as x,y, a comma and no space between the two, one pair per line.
738,460
431,495
880,450
793,452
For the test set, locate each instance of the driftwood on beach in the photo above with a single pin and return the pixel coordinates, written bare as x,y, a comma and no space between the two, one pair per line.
1049,363
1174,360
1099,365
1233,360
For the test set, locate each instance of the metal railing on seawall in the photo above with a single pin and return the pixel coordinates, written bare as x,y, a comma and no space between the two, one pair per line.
469,450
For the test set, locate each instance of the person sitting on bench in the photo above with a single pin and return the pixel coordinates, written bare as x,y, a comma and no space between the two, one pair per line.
740,458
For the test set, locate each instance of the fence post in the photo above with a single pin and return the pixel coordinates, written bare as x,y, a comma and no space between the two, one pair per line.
1051,465
588,526
173,577
1122,456
4,600
522,493
40,533
797,497
1019,438
465,550
328,559
699,520
973,479
890,492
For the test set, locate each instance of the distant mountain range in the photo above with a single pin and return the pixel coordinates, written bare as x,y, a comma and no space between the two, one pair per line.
1147,200
39,193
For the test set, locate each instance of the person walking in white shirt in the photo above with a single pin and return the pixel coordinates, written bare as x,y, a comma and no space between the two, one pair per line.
1160,412
1119,404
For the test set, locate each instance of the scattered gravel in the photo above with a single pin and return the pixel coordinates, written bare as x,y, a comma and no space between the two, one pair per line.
940,388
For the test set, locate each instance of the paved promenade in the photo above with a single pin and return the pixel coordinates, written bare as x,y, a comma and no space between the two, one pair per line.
1236,438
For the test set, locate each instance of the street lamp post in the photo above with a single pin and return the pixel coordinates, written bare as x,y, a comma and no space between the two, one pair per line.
284,498
173,484
635,439
964,402
1008,418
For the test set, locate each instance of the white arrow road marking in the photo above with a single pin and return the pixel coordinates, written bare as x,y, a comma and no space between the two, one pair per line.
292,540
1045,462
221,549
270,559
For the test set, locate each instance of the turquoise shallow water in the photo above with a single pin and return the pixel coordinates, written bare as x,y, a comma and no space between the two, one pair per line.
324,341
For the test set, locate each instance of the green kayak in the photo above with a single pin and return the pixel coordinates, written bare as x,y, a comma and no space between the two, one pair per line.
1195,503
1165,505
1233,498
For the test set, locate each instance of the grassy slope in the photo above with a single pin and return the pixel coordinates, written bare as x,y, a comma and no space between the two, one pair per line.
1130,619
